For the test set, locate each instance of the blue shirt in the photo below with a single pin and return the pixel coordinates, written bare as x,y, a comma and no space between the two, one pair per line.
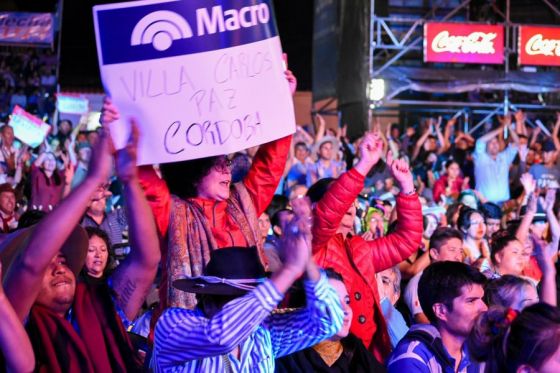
415,356
187,341
492,175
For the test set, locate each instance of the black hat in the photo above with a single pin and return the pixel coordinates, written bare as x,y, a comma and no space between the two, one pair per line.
74,248
230,271
548,146
540,215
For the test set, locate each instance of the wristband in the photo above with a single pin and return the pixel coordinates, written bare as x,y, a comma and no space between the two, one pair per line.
409,193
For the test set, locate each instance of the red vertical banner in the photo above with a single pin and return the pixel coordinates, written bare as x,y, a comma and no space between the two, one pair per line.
539,46
463,43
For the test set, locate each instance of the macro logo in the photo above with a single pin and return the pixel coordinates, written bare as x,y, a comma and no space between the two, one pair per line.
155,30
162,27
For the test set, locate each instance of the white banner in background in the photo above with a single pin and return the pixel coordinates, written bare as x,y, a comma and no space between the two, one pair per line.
28,128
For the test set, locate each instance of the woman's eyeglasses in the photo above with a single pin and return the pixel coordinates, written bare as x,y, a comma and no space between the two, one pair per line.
223,164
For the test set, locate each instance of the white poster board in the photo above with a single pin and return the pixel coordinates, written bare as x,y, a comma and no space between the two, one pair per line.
72,104
202,77
28,128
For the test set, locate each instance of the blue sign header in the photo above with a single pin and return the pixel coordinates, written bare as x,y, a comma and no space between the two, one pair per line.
152,31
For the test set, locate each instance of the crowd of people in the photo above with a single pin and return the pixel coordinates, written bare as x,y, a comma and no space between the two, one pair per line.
27,79
420,249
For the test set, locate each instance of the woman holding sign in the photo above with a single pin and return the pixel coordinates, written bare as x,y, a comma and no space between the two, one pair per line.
198,209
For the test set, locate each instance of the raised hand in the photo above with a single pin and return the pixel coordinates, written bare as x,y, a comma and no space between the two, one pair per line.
451,122
519,116
547,203
100,164
505,121
125,158
401,173
292,81
295,248
109,112
523,152
532,204
545,254
371,148
528,182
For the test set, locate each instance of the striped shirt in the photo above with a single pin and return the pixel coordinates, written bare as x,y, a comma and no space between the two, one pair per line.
187,341
114,223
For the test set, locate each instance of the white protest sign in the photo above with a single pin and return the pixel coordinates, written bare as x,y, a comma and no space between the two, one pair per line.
72,104
28,128
202,77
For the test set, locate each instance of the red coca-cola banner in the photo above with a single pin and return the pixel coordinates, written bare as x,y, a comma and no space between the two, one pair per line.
539,46
463,43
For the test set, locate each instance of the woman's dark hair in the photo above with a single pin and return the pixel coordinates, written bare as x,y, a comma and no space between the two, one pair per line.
442,282
442,235
450,162
94,231
318,190
499,241
452,210
98,232
55,176
182,178
506,341
501,292
464,221
491,211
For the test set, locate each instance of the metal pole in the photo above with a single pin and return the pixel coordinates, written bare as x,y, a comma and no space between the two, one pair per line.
491,114
59,44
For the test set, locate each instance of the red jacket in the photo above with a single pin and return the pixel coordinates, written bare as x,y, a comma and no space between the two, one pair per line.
358,260
441,185
261,183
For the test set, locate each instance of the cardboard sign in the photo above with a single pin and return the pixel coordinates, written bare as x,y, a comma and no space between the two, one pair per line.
28,128
26,28
539,46
463,43
72,104
202,77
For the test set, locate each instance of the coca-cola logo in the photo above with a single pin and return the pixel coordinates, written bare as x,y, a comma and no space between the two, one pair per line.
537,44
476,42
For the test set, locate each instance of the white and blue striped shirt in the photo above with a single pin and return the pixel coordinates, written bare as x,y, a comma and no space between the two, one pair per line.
187,341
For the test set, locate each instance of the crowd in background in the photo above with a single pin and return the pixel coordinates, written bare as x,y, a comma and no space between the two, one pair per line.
27,79
430,250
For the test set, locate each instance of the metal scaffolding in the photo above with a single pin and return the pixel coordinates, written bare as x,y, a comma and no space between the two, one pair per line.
398,40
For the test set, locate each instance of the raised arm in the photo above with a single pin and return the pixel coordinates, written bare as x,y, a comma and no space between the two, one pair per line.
23,282
420,142
534,136
449,126
520,127
392,249
555,132
547,204
321,128
14,342
155,188
134,277
529,186
546,258
512,133
442,149
335,203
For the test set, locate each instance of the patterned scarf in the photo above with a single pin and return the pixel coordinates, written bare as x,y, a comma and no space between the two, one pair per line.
190,240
